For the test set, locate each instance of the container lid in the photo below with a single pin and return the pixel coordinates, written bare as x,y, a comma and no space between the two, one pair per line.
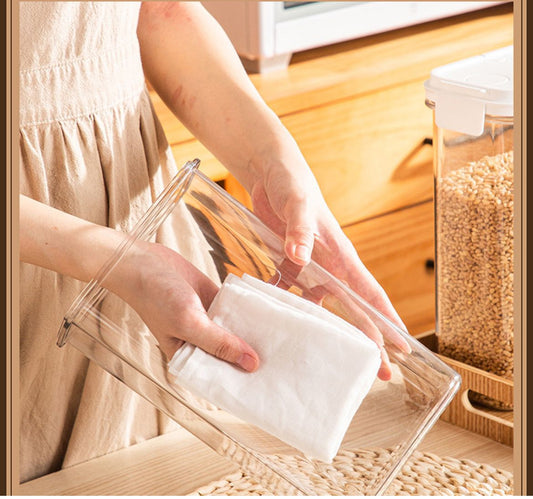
464,92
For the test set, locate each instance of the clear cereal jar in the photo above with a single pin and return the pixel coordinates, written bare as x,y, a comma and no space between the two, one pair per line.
472,102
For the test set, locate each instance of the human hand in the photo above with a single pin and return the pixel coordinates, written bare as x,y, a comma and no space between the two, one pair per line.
289,201
168,292
171,296
208,90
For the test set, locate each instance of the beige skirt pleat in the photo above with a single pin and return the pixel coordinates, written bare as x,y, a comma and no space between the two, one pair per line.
90,145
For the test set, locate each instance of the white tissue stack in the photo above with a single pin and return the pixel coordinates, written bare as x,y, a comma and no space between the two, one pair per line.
314,373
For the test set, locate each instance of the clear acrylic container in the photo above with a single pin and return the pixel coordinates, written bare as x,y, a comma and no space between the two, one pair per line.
389,424
472,102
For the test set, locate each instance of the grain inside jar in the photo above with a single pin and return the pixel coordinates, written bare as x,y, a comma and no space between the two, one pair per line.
475,265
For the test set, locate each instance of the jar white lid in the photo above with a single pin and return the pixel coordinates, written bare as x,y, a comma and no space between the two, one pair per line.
464,92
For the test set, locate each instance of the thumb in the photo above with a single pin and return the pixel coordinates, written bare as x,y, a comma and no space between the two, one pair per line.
224,345
299,237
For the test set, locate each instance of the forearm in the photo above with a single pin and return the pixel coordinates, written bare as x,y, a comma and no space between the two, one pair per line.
191,63
63,243
167,292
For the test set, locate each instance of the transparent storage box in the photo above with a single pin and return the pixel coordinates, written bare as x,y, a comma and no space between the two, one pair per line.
393,418
472,102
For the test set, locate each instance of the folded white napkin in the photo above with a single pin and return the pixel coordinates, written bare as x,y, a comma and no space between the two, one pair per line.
314,373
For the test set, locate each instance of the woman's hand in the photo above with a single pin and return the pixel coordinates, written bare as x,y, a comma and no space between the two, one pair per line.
287,198
171,296
167,292
206,87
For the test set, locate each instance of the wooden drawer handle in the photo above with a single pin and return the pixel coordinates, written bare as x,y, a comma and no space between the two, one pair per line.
470,408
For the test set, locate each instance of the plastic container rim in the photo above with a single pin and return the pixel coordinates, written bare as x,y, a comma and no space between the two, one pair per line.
488,117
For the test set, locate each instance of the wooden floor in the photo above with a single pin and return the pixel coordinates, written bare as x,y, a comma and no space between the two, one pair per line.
178,463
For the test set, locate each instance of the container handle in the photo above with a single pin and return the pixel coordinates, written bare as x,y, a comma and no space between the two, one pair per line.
487,415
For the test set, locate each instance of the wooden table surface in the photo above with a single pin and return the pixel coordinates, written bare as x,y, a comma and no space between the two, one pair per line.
178,463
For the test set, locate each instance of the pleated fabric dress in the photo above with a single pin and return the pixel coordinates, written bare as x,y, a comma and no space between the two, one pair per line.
90,145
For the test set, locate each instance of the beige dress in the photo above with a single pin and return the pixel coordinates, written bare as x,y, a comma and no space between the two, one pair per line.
90,145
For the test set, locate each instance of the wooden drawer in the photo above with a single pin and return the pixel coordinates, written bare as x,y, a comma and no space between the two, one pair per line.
395,248
367,153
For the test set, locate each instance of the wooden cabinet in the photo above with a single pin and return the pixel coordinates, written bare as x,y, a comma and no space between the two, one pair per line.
357,111
398,249
367,152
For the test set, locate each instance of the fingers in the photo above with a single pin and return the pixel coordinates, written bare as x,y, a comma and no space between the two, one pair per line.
172,297
345,263
213,339
288,215
347,309
385,370
376,296
299,236
286,274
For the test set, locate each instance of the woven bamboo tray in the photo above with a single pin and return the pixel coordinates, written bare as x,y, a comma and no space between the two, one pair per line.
491,423
424,474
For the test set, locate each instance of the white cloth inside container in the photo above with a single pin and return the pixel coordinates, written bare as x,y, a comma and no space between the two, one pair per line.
314,373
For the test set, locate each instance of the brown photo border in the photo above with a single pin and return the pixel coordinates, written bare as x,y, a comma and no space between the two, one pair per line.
6,381
523,466
4,269
520,474
10,247
9,273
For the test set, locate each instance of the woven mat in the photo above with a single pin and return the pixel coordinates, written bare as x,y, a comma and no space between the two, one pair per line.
424,474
